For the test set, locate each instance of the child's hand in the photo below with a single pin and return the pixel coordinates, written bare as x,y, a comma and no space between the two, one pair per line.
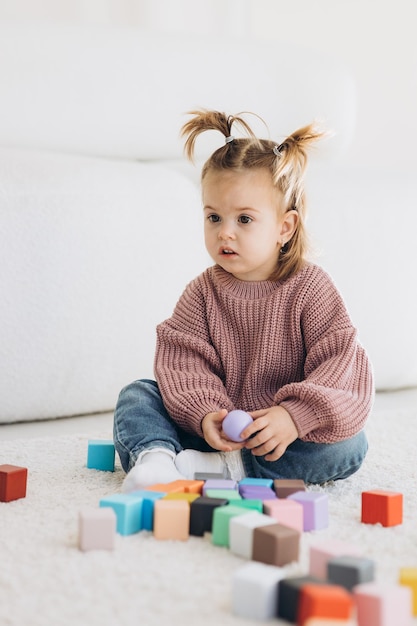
213,434
273,430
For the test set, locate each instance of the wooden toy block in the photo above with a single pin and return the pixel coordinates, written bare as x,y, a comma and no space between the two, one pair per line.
13,482
275,544
383,604
349,571
228,494
187,497
256,482
408,577
128,509
201,514
224,484
252,505
100,455
382,507
286,512
255,591
175,487
97,529
285,487
171,519
221,523
241,530
321,553
148,500
190,486
316,509
289,590
324,601
260,493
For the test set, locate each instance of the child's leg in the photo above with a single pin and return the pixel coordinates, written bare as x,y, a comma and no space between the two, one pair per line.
312,462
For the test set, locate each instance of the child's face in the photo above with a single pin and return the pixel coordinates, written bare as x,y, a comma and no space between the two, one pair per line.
244,225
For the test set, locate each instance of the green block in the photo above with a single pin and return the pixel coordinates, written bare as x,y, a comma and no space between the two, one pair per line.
252,504
226,494
221,519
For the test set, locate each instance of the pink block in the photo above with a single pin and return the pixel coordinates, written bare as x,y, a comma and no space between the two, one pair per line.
97,529
383,605
321,553
286,512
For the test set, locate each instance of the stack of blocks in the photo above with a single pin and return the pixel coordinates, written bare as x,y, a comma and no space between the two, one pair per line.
262,520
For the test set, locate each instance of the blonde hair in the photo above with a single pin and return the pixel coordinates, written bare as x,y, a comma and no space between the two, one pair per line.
285,161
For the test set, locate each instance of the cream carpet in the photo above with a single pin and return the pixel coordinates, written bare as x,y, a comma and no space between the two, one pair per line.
45,579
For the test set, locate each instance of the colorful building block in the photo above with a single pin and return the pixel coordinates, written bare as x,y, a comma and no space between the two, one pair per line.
221,521
382,507
101,455
383,604
228,494
97,529
241,529
321,553
275,544
324,601
255,591
187,497
285,487
224,484
171,519
255,482
148,501
250,504
260,493
287,512
13,482
289,590
128,509
191,486
349,571
316,509
201,514
408,577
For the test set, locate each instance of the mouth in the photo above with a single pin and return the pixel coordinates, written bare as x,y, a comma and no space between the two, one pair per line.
227,252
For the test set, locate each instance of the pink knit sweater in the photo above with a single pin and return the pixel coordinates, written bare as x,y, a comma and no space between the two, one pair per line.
250,345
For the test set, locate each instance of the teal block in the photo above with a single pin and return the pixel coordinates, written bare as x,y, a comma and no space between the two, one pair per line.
148,502
100,455
221,520
226,494
128,509
257,482
250,503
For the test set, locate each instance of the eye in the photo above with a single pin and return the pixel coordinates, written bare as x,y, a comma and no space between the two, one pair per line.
245,219
213,218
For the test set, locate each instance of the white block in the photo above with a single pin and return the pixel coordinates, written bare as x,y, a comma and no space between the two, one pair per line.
241,530
255,591
97,529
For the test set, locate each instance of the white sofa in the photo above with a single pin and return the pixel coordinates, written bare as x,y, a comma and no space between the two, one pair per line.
100,215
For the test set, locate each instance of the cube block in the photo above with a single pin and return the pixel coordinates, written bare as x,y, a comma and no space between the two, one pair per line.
323,552
148,501
285,487
13,482
255,591
383,605
241,530
275,544
228,494
349,571
97,529
221,484
324,601
256,482
201,514
171,519
382,507
408,577
260,493
128,509
221,523
316,509
289,595
100,455
287,512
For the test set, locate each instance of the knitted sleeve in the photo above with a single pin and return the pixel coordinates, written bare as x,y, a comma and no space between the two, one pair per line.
335,397
187,367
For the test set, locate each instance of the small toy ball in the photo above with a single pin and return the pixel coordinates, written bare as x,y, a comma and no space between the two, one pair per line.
235,422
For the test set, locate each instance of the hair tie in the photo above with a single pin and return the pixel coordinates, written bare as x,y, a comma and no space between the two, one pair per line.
229,139
278,149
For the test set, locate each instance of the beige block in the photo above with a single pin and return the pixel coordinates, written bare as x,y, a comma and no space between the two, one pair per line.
171,519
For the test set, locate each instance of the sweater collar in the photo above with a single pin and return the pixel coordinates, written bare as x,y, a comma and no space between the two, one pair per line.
241,288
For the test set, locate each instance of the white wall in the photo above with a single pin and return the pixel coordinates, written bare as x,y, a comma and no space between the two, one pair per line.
375,38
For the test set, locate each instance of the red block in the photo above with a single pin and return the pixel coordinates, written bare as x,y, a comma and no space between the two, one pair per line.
324,601
382,507
13,480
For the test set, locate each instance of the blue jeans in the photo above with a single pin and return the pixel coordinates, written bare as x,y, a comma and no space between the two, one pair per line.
142,422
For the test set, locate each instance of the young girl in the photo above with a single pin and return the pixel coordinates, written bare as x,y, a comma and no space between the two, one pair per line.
262,330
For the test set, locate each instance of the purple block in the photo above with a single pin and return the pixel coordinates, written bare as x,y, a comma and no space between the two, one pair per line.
260,493
235,422
316,509
219,484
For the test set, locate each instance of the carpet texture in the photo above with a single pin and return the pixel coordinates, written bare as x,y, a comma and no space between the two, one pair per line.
45,579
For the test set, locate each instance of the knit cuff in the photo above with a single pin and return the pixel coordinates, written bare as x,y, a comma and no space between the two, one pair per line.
302,415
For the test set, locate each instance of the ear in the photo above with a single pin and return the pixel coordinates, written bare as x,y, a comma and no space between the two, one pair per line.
288,225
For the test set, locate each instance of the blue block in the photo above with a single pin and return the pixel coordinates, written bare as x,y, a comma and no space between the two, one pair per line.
256,482
128,509
101,455
148,502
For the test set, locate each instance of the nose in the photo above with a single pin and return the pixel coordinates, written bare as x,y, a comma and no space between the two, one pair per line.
226,232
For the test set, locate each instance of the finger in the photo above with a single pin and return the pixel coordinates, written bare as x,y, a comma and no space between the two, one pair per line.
277,453
253,428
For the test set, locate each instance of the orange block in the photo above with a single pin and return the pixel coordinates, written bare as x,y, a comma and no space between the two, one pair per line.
190,486
167,487
382,507
171,519
13,481
324,601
